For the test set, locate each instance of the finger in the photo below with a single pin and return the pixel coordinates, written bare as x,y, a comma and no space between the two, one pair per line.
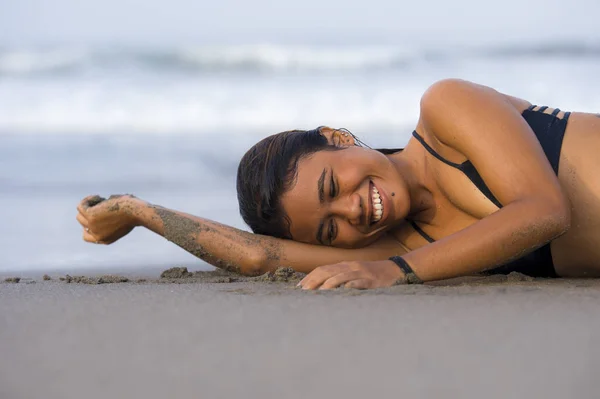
89,237
84,204
88,202
310,276
341,279
318,276
82,220
322,273
360,284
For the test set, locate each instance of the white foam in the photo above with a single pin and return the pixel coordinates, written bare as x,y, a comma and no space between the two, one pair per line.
290,58
272,58
198,107
20,62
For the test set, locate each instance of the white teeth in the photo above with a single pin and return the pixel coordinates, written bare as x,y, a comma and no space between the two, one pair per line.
377,205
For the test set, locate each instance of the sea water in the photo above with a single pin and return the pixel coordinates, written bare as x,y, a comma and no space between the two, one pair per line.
169,124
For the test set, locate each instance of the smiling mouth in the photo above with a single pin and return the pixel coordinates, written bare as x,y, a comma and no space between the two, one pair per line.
376,204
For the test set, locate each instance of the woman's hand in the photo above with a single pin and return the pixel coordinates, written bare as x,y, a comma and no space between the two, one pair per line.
104,221
361,275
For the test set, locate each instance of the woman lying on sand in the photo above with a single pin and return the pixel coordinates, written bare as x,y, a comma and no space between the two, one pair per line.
488,183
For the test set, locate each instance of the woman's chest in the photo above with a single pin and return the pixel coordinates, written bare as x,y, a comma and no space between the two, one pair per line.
457,204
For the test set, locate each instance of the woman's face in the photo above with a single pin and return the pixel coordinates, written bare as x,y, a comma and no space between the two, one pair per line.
346,198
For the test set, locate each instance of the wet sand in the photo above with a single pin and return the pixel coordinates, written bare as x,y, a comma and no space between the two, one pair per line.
218,335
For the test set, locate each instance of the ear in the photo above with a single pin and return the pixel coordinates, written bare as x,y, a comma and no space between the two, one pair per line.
337,137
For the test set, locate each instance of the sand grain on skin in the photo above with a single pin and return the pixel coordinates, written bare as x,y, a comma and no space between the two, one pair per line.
183,232
95,200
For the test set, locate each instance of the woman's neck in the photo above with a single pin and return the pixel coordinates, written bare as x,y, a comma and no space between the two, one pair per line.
412,168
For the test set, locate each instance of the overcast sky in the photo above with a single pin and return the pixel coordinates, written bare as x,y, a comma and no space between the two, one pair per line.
152,21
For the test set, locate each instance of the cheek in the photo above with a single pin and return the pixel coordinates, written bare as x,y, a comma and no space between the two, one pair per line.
401,201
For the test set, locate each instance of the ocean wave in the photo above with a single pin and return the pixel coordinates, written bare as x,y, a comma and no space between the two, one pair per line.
131,103
31,62
265,58
202,117
204,113
209,59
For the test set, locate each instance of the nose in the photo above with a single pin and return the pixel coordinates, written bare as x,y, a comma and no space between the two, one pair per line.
350,208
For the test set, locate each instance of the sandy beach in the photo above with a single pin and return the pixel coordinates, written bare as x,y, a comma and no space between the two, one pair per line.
220,336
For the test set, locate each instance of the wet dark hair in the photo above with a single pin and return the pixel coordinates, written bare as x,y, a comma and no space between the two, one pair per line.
269,169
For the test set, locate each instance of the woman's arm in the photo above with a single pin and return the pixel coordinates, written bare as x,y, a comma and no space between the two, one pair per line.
225,247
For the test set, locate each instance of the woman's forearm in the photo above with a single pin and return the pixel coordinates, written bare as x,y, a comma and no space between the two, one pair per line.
504,236
243,252
222,246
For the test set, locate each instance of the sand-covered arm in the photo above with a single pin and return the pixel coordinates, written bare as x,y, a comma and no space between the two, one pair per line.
220,245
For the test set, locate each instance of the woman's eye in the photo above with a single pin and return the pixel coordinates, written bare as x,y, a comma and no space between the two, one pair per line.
331,231
334,233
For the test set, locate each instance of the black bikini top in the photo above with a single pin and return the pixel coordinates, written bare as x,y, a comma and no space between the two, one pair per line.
466,167
548,129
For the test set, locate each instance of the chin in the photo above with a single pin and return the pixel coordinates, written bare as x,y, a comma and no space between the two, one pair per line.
365,241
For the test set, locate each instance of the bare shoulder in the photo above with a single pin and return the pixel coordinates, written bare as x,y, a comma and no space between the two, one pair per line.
485,127
449,92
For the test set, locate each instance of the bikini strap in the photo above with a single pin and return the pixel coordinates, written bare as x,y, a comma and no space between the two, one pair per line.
466,167
471,172
420,231
554,113
432,151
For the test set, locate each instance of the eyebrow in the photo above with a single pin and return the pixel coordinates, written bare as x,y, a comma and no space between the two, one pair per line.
321,191
321,186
